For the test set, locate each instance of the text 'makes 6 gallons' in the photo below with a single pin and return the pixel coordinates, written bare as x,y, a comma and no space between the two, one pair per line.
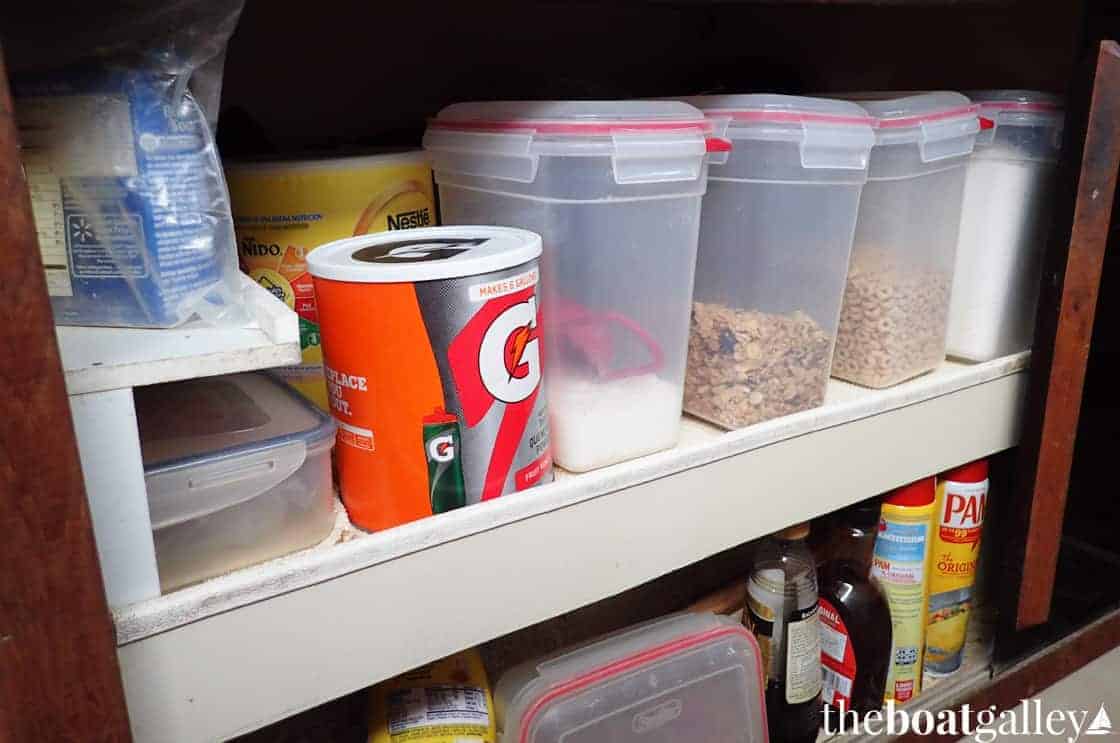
433,358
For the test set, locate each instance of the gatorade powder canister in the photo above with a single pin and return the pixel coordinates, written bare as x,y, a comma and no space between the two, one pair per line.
432,354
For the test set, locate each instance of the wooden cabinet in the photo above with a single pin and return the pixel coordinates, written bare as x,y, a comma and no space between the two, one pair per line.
244,650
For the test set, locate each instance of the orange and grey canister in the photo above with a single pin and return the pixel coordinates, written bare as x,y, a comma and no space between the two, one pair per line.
428,326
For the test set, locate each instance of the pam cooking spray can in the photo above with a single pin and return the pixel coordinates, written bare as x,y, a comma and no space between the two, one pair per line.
962,499
901,565
432,353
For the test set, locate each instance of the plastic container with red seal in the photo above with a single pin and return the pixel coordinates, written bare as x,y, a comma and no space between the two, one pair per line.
896,304
775,238
1008,197
688,677
614,188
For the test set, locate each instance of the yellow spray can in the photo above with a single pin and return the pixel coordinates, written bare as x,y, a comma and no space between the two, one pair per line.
962,498
901,565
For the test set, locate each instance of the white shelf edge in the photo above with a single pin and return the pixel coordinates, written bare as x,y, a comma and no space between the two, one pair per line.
320,624
848,404
97,359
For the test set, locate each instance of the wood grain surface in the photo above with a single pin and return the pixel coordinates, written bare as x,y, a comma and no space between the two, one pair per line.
1061,351
59,679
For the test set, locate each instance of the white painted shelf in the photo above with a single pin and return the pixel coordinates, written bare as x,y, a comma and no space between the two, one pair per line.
245,649
101,366
100,359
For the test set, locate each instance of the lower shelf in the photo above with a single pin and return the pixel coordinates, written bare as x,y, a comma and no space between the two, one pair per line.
317,625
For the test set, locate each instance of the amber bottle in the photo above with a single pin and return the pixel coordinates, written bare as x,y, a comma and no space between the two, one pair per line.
855,618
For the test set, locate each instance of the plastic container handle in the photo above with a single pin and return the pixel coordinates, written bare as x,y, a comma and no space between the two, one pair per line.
718,145
573,319
657,355
188,492
657,157
948,138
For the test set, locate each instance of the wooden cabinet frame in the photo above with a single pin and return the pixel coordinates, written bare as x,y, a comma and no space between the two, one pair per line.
59,677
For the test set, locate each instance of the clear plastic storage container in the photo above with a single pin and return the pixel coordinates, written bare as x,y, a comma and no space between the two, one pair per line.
614,189
238,471
896,303
1008,198
775,237
689,677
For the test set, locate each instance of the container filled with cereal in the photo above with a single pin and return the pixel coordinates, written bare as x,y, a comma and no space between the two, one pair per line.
896,304
775,237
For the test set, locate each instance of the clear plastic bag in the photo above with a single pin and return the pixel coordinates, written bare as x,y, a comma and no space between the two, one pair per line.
130,201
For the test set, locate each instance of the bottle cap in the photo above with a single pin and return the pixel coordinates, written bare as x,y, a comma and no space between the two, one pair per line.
797,531
920,493
972,472
862,514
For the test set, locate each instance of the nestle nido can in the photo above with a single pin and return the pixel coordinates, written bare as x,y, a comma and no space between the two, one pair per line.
283,209
432,354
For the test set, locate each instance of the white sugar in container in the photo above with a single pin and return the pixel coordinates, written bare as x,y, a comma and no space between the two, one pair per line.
1005,219
614,189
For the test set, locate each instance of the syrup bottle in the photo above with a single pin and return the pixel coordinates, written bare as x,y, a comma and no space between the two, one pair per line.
855,617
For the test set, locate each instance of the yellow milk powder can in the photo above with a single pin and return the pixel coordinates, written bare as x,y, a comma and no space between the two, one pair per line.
282,210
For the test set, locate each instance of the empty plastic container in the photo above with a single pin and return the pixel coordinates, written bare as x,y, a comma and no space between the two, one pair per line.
1008,196
614,189
775,237
896,303
238,471
689,677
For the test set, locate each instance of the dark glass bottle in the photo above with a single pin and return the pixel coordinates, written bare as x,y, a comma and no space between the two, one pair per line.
782,612
854,614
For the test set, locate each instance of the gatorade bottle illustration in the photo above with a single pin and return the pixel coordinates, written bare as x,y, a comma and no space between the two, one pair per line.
442,442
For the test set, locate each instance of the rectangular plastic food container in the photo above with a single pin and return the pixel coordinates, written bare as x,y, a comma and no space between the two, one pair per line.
614,189
1008,195
238,471
688,677
775,238
896,303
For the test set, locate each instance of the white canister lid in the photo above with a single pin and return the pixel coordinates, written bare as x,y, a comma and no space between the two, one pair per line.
1016,100
573,119
647,141
1023,124
943,124
912,110
832,133
424,254
781,108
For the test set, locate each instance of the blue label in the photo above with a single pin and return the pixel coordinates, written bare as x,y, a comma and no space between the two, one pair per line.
901,542
144,247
